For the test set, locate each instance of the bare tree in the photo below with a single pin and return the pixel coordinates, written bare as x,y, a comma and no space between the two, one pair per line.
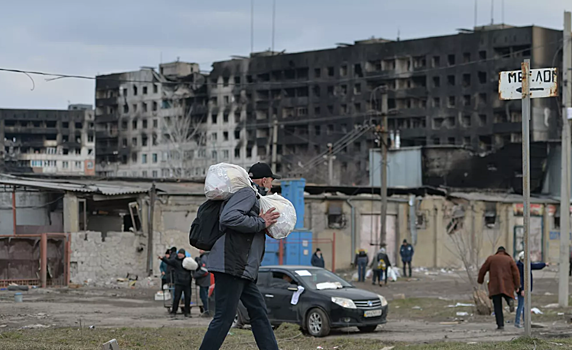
182,135
467,247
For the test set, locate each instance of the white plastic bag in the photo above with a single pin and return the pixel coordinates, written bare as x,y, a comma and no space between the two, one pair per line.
287,220
224,179
392,274
190,264
369,273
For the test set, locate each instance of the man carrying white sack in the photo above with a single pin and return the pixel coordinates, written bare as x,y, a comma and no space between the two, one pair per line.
235,259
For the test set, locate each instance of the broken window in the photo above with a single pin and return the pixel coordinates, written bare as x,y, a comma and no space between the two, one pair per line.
331,71
237,134
436,102
154,106
436,82
249,152
451,59
144,107
125,108
214,118
134,90
343,70
438,123
336,219
358,71
466,80
134,141
451,80
144,123
482,55
456,221
436,61
316,90
451,140
357,89
482,77
302,111
482,99
135,107
451,101
226,100
317,72
466,100
144,140
330,90
467,140
482,119
144,90
466,57
134,124
225,117
330,129
357,107
317,130
436,141
344,89
466,121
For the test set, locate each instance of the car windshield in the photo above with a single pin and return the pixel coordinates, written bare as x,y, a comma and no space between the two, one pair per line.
321,279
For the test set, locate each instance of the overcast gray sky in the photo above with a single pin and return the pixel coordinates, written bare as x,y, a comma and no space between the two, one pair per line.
90,38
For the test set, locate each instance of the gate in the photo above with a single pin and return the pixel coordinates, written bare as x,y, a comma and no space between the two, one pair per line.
35,260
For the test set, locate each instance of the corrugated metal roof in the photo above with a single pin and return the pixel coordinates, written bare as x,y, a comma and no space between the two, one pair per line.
99,187
498,197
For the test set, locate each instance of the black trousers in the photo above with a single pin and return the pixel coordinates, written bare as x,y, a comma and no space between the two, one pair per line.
378,276
179,290
497,303
228,291
405,263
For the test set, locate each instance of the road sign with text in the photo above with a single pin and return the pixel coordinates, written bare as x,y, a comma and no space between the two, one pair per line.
543,83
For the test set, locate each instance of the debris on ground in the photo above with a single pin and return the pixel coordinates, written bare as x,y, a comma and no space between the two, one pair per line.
461,305
552,306
110,345
35,326
462,314
417,308
536,311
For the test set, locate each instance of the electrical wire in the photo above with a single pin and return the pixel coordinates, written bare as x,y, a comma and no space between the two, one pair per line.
278,83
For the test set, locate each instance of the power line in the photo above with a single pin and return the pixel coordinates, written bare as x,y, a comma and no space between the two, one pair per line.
386,75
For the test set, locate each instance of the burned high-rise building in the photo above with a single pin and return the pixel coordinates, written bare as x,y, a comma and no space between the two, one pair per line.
441,91
48,141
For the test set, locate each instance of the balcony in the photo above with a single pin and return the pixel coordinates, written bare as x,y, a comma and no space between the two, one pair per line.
106,134
106,150
35,130
109,101
106,118
505,128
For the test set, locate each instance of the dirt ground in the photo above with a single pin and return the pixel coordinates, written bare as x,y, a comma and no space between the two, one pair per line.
425,315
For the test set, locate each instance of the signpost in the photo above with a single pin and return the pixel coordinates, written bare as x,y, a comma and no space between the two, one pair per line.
526,84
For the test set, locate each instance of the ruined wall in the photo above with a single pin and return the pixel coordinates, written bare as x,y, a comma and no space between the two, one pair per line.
32,213
101,262
173,218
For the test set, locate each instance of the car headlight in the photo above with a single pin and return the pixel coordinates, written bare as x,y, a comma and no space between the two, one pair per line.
383,301
343,302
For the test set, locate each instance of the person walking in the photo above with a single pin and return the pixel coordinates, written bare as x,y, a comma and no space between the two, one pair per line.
203,280
361,261
504,280
379,265
183,279
406,253
235,259
520,292
318,259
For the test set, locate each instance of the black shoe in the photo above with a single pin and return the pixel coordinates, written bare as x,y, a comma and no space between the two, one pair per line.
500,328
188,316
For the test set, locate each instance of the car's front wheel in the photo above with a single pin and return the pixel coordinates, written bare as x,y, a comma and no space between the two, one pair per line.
317,323
367,329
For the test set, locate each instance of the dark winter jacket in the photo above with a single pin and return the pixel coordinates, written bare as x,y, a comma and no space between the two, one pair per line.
361,258
503,275
200,278
533,266
240,250
406,252
380,256
182,276
318,261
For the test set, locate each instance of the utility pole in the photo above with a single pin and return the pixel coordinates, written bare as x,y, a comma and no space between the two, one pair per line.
152,194
383,147
525,66
274,144
565,149
330,157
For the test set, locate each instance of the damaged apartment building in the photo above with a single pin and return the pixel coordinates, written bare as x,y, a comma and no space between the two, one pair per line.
324,106
48,141
162,124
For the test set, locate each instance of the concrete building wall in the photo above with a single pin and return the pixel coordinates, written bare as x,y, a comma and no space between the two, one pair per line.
100,261
34,213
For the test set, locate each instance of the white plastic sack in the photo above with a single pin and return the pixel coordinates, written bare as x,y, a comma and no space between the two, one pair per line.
224,179
392,274
190,264
369,273
287,220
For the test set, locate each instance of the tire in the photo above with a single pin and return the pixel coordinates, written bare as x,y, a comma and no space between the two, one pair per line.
367,329
317,323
